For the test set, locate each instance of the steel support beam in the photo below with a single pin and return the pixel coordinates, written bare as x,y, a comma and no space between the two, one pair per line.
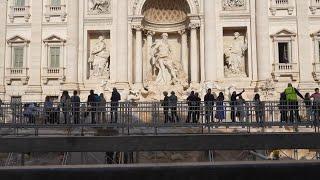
162,143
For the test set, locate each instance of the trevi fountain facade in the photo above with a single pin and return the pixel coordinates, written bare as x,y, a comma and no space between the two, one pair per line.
145,47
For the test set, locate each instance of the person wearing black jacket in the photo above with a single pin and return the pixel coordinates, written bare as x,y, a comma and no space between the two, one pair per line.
191,107
233,104
165,105
92,106
115,98
209,103
197,107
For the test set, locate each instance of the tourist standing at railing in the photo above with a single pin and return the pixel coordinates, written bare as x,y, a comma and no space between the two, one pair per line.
308,104
241,108
92,105
173,101
220,109
165,105
293,104
233,104
75,103
259,109
197,107
65,105
209,103
102,109
48,110
115,98
283,107
1,112
30,112
191,107
316,104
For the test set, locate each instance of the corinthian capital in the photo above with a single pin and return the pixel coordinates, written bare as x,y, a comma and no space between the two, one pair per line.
137,27
194,25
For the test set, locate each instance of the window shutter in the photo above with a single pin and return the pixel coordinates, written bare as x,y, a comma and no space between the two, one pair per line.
18,57
55,2
20,2
55,57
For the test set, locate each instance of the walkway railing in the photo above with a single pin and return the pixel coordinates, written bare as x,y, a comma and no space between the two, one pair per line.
127,116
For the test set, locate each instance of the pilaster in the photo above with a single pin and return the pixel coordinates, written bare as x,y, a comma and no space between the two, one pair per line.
34,58
72,46
210,41
3,17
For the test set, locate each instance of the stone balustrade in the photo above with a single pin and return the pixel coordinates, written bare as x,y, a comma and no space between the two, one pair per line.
18,74
19,11
285,70
53,74
314,5
281,5
55,11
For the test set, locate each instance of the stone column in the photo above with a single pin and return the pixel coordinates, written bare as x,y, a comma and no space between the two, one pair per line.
72,45
34,58
210,40
138,61
263,41
194,53
147,64
3,22
184,51
122,42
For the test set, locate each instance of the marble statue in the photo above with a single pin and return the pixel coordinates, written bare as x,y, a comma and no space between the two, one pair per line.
235,57
163,63
233,4
100,6
100,59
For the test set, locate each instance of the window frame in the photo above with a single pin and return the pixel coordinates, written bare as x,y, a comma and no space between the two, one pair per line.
57,63
285,36
14,60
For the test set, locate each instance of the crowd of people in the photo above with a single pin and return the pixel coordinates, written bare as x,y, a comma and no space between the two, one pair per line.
73,110
215,109
212,109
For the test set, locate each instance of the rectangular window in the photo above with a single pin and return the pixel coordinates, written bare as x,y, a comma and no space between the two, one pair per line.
283,52
18,57
55,2
19,2
54,57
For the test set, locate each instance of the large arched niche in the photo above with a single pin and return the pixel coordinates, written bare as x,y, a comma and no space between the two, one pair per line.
139,5
165,11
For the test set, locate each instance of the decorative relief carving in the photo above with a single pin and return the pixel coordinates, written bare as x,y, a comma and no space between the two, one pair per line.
194,25
234,4
99,7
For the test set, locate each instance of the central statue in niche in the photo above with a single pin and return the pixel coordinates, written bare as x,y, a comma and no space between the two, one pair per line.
235,57
167,70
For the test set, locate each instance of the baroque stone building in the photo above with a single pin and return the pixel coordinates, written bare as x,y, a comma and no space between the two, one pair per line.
144,47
